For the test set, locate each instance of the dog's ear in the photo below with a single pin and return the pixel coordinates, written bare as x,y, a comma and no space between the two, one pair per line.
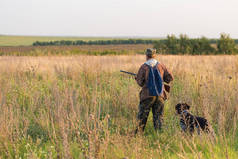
178,108
187,106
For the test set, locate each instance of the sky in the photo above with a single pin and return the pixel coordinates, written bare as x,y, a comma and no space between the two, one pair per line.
112,18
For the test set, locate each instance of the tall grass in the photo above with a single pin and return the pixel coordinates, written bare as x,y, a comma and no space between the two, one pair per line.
82,107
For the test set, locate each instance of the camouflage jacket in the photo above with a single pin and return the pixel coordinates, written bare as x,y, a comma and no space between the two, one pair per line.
142,79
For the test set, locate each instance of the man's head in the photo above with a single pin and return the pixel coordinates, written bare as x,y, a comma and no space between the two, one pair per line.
150,53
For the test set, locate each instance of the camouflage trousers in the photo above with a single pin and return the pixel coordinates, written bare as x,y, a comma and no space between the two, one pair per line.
157,105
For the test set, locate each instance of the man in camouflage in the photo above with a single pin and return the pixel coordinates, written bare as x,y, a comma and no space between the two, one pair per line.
146,101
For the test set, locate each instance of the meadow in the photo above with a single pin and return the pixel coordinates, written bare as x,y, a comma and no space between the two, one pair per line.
83,107
73,50
6,40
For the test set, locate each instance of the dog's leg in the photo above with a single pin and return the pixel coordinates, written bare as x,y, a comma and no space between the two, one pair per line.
198,129
183,125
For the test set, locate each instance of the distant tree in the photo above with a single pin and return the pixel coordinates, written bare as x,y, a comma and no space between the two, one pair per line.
37,43
184,44
161,47
226,45
195,46
205,46
172,44
68,42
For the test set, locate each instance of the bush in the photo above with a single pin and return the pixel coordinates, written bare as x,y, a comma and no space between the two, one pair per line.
199,46
226,45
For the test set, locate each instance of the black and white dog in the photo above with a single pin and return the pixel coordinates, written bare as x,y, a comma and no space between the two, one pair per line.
189,122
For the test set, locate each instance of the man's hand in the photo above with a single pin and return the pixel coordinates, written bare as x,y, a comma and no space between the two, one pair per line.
167,88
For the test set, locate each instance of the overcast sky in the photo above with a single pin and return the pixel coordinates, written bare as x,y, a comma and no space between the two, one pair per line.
155,18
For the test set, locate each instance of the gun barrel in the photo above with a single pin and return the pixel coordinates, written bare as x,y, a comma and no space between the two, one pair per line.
133,74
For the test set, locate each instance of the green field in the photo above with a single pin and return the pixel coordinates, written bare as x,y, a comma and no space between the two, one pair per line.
28,40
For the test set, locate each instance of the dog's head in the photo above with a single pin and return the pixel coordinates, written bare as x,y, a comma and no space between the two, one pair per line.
180,107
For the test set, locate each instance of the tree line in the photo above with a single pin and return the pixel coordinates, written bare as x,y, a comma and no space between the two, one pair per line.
199,46
95,42
171,45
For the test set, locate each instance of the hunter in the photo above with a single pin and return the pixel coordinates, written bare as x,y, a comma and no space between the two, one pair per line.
151,77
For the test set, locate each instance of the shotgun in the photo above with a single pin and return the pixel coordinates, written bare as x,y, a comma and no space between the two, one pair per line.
133,74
